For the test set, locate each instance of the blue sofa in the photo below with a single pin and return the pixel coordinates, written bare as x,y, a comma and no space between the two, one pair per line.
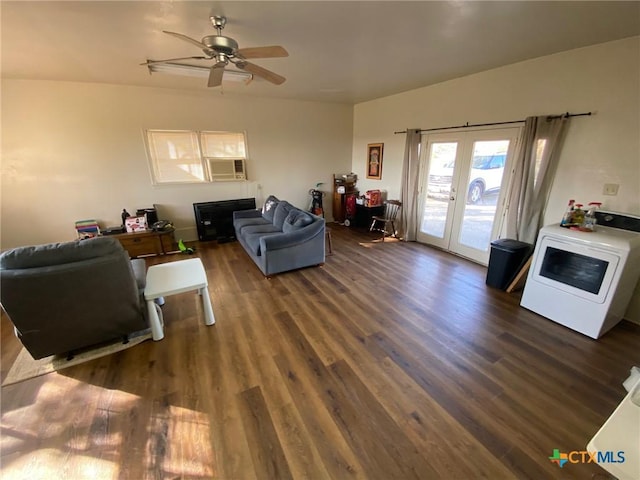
280,237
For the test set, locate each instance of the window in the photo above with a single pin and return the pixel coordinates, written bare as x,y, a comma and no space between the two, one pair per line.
182,156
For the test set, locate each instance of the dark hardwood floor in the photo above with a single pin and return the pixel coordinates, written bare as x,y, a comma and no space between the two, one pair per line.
392,361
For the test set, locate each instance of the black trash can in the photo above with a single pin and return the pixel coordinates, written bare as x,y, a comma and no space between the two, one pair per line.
505,261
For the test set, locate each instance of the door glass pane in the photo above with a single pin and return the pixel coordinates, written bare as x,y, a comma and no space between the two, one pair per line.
482,191
442,159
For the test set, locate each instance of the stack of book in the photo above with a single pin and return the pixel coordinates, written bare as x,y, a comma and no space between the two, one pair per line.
87,229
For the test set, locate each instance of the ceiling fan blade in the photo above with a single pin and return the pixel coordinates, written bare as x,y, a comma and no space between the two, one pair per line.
215,75
188,39
261,72
273,51
152,62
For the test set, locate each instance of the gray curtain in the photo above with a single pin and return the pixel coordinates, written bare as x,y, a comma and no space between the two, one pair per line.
409,186
535,167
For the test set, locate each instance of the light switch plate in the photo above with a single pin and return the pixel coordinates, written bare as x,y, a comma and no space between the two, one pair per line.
610,189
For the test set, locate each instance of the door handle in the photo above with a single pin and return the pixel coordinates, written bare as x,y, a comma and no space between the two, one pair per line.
452,197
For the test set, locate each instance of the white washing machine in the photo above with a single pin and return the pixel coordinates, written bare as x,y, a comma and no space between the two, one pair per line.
585,280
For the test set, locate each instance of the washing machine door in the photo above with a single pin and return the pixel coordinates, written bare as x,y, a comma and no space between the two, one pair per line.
581,270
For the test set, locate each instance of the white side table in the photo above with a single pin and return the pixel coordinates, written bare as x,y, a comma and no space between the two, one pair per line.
618,440
173,278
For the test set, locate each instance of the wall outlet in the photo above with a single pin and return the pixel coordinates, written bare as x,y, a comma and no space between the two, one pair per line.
610,189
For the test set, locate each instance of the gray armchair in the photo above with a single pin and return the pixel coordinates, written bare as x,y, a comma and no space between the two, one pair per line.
62,297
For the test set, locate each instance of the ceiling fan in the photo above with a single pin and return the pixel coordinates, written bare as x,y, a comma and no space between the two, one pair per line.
224,50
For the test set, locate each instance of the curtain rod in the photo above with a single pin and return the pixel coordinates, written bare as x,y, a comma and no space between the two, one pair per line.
467,125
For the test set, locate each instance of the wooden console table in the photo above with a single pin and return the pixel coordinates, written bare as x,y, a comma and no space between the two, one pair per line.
149,242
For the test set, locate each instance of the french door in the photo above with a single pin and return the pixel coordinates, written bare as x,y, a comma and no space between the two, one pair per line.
463,184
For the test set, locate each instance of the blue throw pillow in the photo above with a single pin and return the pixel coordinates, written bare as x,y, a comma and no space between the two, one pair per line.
296,219
269,208
282,210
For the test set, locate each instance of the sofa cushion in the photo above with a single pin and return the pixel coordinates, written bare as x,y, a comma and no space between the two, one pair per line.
282,210
240,223
296,219
59,253
269,208
252,241
265,228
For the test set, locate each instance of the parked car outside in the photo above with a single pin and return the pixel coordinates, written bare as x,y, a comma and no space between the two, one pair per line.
485,178
440,178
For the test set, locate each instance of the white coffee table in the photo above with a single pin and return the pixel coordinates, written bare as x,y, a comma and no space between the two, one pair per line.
173,278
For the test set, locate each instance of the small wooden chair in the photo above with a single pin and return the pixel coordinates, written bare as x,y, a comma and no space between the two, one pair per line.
391,209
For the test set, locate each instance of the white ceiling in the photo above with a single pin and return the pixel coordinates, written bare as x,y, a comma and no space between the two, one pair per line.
339,51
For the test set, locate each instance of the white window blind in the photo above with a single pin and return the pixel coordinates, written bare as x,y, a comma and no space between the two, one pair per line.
223,144
182,156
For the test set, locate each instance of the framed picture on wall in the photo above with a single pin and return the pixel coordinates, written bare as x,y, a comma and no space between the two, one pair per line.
374,160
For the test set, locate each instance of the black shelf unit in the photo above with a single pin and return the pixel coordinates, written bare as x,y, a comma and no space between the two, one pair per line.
364,215
214,220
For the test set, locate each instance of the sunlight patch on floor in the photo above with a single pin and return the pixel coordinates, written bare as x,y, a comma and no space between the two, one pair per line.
94,440
48,463
378,241
183,437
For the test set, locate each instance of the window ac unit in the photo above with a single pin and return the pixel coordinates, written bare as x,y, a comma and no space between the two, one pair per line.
227,169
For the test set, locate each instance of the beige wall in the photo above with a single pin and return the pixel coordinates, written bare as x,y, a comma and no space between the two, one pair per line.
73,151
603,148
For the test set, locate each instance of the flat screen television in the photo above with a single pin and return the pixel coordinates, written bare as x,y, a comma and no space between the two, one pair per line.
214,220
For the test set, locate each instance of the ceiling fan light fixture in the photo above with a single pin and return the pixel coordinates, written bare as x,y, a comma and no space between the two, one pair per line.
221,59
198,72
